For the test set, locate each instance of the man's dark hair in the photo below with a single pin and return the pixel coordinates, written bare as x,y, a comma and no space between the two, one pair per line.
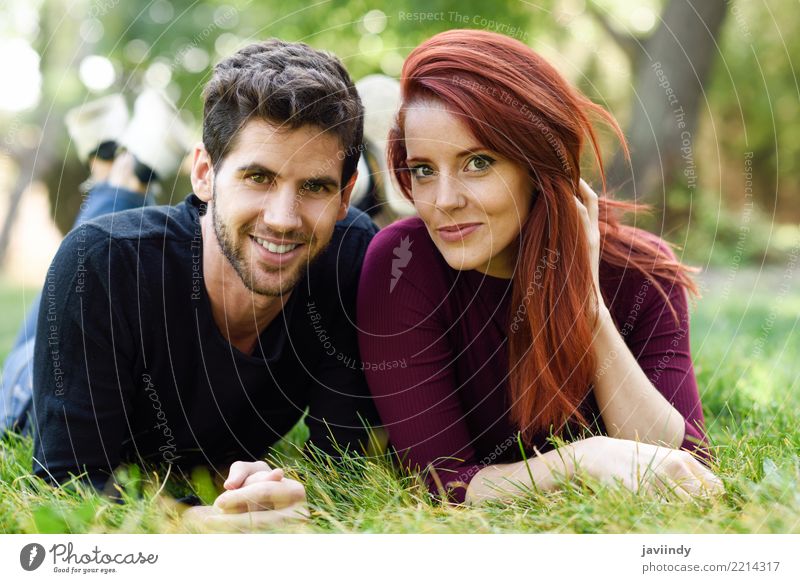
287,84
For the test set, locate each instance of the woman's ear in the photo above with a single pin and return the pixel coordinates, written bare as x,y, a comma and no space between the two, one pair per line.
536,192
202,174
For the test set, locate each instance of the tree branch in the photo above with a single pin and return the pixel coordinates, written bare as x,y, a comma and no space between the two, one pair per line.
629,44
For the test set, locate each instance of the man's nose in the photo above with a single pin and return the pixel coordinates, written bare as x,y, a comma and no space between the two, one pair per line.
281,211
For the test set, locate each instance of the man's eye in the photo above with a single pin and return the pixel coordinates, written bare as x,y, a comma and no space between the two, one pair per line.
422,171
258,178
314,187
479,163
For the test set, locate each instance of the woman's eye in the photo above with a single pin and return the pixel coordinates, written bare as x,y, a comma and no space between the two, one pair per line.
422,171
479,163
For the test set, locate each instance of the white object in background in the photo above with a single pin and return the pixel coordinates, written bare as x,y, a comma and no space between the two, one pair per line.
381,98
95,122
156,135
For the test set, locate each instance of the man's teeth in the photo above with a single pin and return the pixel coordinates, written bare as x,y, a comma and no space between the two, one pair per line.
281,249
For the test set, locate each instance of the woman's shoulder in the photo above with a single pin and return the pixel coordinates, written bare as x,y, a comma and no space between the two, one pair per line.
632,285
403,241
404,252
632,254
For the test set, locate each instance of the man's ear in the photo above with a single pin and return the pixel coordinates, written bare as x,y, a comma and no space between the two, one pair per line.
202,174
346,192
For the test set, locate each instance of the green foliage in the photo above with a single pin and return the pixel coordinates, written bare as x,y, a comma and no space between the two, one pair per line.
751,98
711,232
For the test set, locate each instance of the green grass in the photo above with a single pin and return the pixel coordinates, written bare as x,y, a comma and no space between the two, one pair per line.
747,353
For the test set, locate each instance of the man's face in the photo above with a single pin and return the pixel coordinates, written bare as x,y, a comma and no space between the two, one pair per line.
275,200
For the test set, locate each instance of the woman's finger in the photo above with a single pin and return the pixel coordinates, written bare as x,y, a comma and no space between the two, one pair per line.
710,483
589,220
582,210
662,484
590,196
681,483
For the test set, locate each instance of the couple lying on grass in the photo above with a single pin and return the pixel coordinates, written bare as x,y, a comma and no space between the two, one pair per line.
515,307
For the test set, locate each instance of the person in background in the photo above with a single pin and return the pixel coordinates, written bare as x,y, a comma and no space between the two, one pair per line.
128,157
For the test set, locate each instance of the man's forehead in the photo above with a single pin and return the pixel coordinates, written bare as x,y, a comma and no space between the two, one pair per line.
307,148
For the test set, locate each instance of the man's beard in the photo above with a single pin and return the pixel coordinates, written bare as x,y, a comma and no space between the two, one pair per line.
235,256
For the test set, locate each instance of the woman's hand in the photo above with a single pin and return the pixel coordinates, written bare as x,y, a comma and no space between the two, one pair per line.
256,496
588,213
647,468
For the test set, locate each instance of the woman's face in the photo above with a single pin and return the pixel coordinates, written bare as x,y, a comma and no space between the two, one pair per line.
472,200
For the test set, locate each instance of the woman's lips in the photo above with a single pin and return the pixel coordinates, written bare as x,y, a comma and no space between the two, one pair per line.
453,233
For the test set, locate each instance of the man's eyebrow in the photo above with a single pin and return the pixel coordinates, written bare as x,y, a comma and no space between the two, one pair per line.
256,168
323,181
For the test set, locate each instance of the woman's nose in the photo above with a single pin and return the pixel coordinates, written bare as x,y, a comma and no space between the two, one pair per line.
449,193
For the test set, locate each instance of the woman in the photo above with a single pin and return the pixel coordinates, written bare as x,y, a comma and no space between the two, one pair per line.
517,304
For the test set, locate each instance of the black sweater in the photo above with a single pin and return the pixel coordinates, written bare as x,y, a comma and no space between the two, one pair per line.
129,364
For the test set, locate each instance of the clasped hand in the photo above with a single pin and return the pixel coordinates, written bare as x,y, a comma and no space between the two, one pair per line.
255,496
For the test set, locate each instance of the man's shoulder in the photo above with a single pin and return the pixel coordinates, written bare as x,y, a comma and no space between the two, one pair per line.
356,221
128,234
162,222
349,242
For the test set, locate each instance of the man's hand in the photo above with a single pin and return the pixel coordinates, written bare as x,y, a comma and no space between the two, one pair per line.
253,486
245,473
256,496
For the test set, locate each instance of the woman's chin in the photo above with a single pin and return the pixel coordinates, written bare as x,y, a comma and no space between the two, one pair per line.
460,260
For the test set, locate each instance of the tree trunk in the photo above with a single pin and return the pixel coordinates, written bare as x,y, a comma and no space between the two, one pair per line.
670,71
36,163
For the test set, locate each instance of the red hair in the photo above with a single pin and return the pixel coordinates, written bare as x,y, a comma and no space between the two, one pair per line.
519,106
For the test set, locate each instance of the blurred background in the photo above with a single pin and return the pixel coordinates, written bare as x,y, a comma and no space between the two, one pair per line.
707,93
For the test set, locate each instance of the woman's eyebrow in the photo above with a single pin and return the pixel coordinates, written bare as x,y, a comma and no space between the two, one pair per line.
466,152
470,150
417,159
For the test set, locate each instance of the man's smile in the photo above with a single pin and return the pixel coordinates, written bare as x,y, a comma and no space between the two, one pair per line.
276,254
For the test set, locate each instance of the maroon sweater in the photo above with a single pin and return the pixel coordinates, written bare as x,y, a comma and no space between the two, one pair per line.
433,343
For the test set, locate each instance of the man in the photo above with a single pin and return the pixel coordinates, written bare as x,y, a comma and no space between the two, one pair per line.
200,333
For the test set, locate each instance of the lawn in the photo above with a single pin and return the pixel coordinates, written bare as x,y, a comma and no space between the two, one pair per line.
747,352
